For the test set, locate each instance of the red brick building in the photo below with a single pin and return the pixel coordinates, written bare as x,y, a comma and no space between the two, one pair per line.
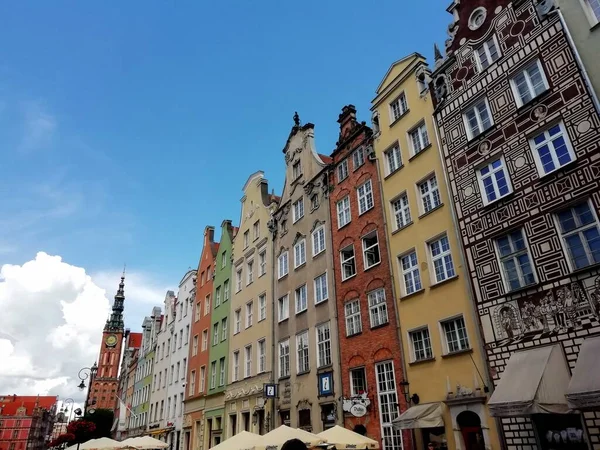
26,422
370,350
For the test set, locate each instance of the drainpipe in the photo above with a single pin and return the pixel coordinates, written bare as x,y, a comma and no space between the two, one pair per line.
273,230
584,73
470,288
392,279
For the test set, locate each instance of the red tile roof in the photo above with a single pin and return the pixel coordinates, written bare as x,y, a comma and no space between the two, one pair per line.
326,159
10,403
135,340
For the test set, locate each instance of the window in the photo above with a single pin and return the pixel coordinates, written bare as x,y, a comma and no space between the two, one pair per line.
348,262
365,197
592,9
262,307
296,170
298,209
401,210
226,290
223,260
318,240
246,239
493,181
192,390
249,314
529,83
388,404
284,308
342,170
202,379
302,349
393,159
343,211
195,346
410,273
197,312
213,374
217,296
207,305
221,371
370,246
187,334
358,381
301,301
262,263
455,334
204,340
358,157
442,259
323,345
353,319
238,320
256,230
224,329
487,53
238,280
215,334
284,358
552,149
477,118
419,138
236,365
299,253
377,308
514,260
248,361
430,194
262,356
579,229
250,272
420,344
282,265
321,289
398,107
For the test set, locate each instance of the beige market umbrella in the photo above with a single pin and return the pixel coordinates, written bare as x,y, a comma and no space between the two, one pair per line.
241,441
276,438
102,444
343,439
144,443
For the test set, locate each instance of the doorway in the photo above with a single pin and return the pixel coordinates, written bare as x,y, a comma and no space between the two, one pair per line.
470,428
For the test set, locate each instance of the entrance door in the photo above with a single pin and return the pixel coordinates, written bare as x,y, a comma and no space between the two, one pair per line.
470,428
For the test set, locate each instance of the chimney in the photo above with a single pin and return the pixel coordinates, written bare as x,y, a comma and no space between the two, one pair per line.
347,119
209,234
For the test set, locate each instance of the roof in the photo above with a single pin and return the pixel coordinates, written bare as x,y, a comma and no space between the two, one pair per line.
214,248
326,159
11,403
275,198
135,340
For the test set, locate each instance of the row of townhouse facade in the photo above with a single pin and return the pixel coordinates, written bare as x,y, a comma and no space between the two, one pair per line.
433,281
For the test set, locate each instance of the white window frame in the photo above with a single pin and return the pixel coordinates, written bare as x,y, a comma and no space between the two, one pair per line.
301,298
262,307
250,272
474,106
296,170
378,313
323,338
430,194
215,333
371,248
367,195
302,345
224,325
283,308
344,212
342,170
353,317
444,338
218,296
213,374
589,12
248,361
321,288
256,230
578,230
205,339
547,141
298,209
492,175
246,239
422,134
347,261
318,238
530,87
238,280
428,351
300,253
388,404
432,259
358,157
238,320
283,265
195,340
413,272
225,290
284,358
402,216
353,389
262,263
393,159
235,369
402,107
514,257
249,314
261,356
486,47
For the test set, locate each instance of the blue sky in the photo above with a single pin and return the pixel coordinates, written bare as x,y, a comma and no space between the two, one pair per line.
126,127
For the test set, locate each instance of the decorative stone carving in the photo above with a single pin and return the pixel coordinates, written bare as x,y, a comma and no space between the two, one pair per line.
289,156
440,88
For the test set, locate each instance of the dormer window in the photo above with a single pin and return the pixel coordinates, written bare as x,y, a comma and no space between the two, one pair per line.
296,170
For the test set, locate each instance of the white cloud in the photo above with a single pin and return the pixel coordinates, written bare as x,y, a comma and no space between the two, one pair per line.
39,127
53,315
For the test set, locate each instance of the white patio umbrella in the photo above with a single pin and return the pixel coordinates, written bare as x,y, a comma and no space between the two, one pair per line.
344,439
276,438
241,441
144,443
101,444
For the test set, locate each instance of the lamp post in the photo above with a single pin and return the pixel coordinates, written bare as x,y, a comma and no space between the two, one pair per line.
414,399
67,408
84,374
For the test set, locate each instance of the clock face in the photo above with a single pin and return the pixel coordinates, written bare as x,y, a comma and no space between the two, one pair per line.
111,340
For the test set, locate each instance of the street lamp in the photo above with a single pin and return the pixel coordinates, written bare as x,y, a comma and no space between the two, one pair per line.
404,385
65,408
84,374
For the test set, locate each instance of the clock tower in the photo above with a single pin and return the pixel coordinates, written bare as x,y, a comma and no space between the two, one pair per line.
103,388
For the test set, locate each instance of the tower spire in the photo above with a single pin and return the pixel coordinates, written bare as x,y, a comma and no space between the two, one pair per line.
115,321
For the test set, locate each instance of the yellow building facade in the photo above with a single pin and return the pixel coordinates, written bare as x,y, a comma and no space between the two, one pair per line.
444,366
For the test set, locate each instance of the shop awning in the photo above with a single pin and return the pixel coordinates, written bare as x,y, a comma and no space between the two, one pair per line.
534,382
584,389
427,415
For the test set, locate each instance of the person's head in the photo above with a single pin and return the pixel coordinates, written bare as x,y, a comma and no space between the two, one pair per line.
294,444
430,446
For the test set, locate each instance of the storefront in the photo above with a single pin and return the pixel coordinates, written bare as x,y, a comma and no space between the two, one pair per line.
427,422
